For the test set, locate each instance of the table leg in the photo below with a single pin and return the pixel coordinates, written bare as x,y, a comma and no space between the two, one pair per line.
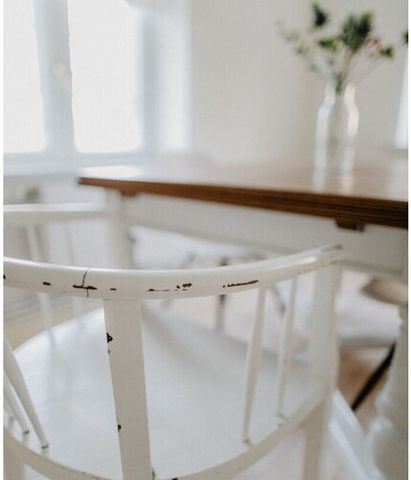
388,434
118,233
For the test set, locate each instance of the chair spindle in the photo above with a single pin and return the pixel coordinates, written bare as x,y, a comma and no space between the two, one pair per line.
285,350
252,364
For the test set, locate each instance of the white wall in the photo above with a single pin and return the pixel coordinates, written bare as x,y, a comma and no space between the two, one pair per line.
253,99
166,76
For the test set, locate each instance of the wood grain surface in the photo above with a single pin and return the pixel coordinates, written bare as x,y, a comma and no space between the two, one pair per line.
370,194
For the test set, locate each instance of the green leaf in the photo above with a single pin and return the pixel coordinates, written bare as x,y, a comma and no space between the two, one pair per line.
387,52
320,16
329,43
356,31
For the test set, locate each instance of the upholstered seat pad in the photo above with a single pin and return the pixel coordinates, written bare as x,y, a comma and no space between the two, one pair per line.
194,387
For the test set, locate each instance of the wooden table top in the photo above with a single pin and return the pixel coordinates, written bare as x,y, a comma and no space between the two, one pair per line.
370,194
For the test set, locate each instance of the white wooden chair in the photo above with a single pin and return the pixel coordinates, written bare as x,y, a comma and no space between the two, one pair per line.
43,224
137,394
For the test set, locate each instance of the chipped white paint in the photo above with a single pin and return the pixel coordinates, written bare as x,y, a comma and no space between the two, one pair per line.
158,284
76,302
34,217
125,348
123,291
36,255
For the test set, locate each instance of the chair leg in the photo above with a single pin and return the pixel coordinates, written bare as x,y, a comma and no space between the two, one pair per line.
315,430
372,381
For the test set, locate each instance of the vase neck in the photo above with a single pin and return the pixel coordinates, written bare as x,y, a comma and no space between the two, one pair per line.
347,93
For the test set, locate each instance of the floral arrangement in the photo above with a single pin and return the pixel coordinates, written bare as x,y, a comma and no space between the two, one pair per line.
343,57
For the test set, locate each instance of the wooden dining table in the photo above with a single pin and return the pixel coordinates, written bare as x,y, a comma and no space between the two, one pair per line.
285,208
262,205
369,194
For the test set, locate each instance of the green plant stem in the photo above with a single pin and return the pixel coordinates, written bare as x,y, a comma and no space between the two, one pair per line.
345,70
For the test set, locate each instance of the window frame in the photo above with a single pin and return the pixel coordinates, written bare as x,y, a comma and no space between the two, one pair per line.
60,155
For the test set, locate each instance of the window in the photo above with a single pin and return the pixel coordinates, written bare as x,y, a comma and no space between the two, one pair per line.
23,126
75,88
106,88
71,82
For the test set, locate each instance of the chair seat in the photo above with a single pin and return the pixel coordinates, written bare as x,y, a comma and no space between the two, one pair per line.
194,385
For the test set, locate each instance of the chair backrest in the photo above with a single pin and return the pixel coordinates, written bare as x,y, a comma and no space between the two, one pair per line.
63,222
54,233
122,292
